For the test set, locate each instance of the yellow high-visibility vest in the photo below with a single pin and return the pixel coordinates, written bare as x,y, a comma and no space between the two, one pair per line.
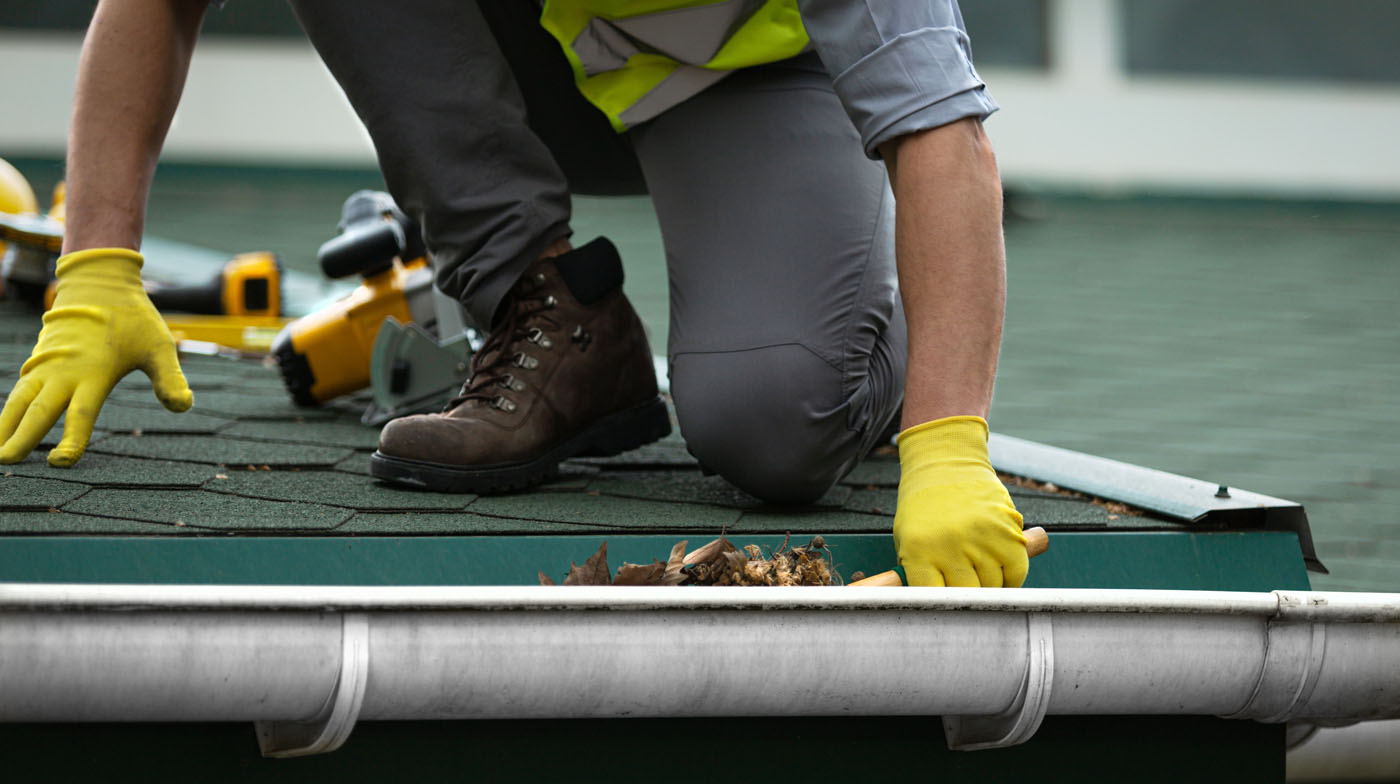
634,59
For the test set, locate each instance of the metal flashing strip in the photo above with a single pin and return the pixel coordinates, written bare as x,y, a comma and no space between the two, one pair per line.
1204,504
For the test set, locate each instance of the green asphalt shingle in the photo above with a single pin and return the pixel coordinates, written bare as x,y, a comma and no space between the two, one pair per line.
67,523
669,452
346,434
198,380
130,419
208,510
101,470
55,434
230,402
459,524
1030,492
27,492
876,471
880,501
1062,512
833,521
357,464
221,450
330,488
605,512
689,487
14,348
572,476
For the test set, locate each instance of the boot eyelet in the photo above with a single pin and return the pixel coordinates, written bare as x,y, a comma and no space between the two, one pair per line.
550,302
539,279
512,383
503,403
523,360
540,339
582,337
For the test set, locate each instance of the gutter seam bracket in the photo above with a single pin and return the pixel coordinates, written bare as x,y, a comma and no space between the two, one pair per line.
1021,721
1293,656
333,724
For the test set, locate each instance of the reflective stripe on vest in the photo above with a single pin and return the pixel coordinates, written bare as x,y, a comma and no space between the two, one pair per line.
634,59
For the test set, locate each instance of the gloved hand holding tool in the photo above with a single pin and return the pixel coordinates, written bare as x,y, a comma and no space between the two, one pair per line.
101,327
955,524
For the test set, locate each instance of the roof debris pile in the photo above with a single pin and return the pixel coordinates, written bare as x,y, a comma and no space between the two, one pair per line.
717,563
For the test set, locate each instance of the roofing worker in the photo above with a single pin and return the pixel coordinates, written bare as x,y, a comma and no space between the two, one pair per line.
760,133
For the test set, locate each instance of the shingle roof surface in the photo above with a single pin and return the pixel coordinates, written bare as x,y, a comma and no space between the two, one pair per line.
245,460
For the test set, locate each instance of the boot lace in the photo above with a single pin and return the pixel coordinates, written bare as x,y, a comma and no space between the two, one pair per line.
504,353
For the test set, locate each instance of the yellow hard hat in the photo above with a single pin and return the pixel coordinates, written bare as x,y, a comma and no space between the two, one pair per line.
15,194
58,207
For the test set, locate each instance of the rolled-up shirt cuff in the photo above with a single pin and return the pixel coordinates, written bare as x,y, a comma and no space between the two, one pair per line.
916,81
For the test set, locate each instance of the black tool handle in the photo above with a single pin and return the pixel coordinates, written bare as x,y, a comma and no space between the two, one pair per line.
366,249
199,298
373,230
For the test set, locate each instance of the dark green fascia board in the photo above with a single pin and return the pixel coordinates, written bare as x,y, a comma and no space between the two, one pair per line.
1221,561
1140,749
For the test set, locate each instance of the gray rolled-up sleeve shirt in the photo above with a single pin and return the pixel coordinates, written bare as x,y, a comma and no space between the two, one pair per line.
898,66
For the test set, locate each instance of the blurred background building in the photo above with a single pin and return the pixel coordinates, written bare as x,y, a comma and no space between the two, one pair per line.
1244,97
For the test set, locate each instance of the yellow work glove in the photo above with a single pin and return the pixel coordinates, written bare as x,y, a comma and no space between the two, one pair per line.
101,327
955,524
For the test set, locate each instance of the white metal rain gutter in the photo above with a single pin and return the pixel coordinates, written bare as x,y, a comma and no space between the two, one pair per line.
306,663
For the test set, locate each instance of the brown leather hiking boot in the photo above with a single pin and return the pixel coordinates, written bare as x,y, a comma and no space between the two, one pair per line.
566,372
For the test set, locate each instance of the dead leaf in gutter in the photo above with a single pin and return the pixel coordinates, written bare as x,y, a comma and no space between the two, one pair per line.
673,574
707,552
640,574
718,562
593,572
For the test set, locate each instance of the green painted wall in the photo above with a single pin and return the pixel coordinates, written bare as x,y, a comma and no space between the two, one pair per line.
1207,561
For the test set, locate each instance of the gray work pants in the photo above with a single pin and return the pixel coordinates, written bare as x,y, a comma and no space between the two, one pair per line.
787,337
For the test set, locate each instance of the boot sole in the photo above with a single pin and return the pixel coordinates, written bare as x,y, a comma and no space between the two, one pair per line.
611,435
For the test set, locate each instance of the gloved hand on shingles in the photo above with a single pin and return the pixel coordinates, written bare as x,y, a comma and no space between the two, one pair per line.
101,327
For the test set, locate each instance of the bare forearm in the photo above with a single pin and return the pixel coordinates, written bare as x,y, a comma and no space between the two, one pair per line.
132,71
952,268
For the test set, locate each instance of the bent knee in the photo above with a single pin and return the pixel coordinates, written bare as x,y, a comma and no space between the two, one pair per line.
772,421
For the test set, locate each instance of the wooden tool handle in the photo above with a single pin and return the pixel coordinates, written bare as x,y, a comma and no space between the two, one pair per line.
1037,542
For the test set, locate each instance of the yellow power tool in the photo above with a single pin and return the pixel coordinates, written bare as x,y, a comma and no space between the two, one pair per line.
248,285
384,334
